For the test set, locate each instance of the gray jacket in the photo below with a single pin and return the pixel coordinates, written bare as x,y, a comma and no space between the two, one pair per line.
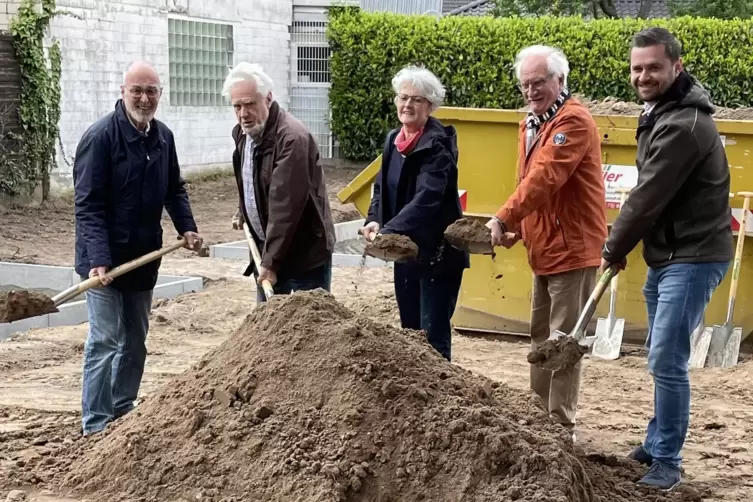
680,206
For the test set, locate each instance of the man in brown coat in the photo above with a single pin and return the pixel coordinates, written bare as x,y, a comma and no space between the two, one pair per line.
283,197
558,209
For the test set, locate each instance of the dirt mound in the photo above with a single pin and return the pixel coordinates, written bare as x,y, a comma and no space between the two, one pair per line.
308,401
558,354
613,106
391,247
21,304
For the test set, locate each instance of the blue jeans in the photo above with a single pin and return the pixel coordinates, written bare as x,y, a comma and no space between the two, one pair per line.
114,354
676,297
320,277
427,302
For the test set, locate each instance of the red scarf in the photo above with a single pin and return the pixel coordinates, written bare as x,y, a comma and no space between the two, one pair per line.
405,141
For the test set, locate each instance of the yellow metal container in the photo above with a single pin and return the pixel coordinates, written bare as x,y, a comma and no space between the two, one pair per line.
496,294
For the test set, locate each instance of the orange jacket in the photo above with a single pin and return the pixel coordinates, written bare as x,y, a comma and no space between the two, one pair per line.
559,205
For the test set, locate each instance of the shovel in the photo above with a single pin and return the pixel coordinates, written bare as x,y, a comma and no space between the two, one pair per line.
609,331
724,347
700,338
265,284
394,253
477,244
51,305
560,350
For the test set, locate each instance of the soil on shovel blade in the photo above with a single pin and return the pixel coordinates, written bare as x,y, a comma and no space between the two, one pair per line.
392,245
558,354
308,401
469,230
21,304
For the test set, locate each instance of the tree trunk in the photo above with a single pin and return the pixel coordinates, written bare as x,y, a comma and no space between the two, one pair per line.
607,6
645,9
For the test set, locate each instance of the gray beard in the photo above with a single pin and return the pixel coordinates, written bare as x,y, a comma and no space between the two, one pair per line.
256,132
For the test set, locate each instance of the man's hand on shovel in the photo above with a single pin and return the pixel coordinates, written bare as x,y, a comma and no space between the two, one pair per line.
101,272
193,241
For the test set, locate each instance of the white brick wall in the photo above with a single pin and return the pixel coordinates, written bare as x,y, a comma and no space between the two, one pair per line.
112,33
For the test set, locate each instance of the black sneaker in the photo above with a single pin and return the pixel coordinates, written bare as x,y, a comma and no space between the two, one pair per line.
662,476
641,455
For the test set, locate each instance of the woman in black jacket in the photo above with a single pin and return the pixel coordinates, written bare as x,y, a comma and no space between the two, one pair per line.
416,194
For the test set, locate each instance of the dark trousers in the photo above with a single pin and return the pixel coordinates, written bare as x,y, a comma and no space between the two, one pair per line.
320,277
427,302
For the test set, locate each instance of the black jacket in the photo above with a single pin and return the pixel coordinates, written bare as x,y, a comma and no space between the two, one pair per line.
680,206
427,196
122,180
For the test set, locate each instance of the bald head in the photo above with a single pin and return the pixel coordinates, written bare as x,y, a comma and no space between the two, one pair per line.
141,92
140,70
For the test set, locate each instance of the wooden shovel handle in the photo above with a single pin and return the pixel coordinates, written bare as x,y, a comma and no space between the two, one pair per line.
590,307
738,254
256,255
95,281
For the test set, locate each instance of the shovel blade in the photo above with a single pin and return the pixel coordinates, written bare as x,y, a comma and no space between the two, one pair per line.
607,344
388,256
585,341
719,337
732,349
556,334
699,347
471,247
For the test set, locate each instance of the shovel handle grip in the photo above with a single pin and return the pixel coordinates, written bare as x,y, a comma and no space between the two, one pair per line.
256,255
593,300
95,281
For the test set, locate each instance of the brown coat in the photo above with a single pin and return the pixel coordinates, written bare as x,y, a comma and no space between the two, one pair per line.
291,195
559,205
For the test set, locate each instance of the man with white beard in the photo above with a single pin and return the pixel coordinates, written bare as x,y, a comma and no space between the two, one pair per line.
281,188
126,170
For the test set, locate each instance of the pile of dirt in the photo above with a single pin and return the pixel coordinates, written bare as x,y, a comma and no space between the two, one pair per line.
469,234
392,247
558,354
611,106
614,106
21,304
308,401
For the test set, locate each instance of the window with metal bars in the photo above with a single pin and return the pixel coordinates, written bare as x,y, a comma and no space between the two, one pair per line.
200,56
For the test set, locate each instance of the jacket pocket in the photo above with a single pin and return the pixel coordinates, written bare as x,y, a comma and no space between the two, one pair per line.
561,231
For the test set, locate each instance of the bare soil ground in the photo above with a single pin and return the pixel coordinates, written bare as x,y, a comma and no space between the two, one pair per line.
45,234
40,371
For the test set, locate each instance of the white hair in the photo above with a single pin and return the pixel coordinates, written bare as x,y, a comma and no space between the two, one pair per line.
555,59
248,72
424,81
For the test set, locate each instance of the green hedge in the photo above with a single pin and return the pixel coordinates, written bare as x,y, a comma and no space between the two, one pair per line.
473,58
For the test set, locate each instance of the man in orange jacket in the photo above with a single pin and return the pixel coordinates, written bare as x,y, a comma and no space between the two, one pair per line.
558,209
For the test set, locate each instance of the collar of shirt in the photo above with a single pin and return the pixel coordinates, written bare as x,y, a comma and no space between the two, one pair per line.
648,106
145,132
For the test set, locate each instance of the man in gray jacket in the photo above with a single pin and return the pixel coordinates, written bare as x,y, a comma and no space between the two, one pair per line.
680,209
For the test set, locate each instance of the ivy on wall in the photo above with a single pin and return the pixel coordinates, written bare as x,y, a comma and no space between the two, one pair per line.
39,109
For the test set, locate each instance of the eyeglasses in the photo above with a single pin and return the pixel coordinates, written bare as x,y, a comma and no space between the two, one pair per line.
404,98
151,92
534,85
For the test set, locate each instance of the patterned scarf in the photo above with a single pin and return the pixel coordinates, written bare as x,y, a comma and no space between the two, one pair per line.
534,122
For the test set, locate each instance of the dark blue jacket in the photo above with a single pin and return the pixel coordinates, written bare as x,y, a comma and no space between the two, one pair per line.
426,200
122,180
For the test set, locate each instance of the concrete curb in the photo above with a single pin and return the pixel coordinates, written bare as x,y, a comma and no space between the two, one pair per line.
348,230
